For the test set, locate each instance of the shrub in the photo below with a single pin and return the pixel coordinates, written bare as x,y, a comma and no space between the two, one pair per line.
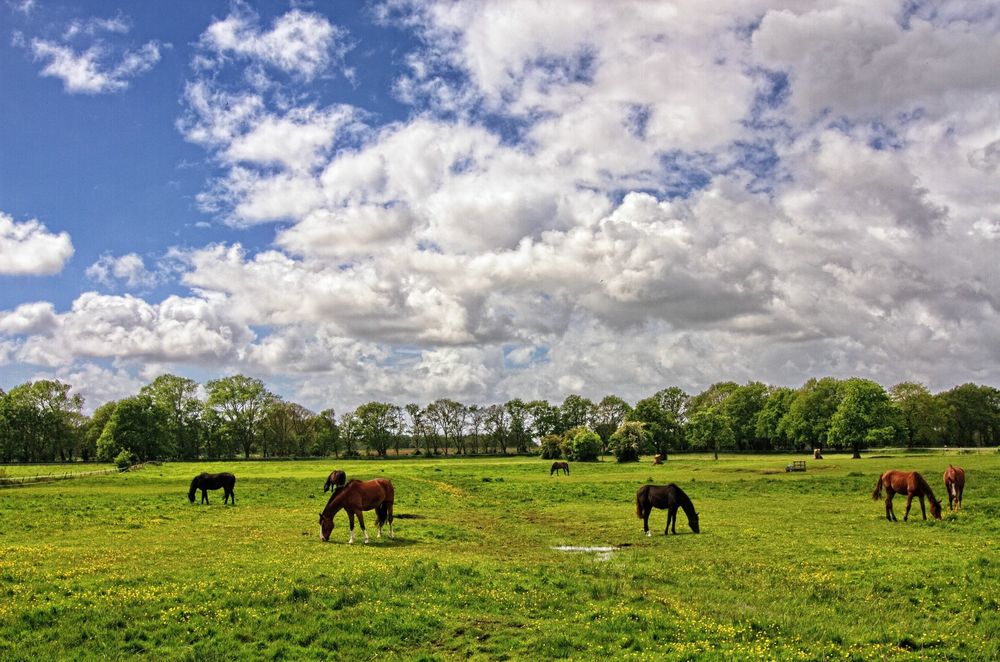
125,459
627,440
585,446
551,447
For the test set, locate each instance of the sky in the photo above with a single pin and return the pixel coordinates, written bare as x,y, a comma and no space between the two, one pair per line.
408,200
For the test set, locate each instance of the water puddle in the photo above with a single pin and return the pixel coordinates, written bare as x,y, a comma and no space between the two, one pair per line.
603,553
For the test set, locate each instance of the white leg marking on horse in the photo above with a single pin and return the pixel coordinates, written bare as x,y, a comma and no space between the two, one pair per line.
351,541
648,534
365,531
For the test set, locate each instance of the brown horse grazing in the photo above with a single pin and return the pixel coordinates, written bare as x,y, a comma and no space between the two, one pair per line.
356,497
954,485
557,466
905,482
206,481
336,479
670,497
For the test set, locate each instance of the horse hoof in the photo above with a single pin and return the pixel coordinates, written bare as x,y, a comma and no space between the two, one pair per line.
648,534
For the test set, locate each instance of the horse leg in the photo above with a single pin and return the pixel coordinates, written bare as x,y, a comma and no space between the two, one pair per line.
909,500
889,514
922,511
350,514
389,516
204,495
671,520
645,520
361,520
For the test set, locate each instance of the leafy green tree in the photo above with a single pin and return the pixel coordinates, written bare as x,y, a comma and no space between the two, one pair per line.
45,419
241,403
665,433
865,416
376,423
710,429
477,421
768,426
743,407
607,417
674,401
973,414
326,434
178,398
575,411
498,427
923,417
286,429
545,419
713,397
518,431
628,440
95,427
136,425
808,418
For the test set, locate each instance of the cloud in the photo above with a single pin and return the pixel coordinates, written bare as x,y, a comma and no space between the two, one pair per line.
88,62
29,318
299,43
130,269
29,249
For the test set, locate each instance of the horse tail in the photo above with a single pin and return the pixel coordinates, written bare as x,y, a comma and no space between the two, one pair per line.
877,493
640,496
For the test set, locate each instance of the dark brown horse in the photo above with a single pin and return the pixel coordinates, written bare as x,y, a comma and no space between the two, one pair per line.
356,497
954,485
912,485
206,481
336,479
557,466
670,497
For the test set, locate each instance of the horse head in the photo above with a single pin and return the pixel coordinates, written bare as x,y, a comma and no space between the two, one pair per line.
325,527
935,508
693,523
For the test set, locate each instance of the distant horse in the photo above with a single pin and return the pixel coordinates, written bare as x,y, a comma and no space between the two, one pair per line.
670,497
657,459
905,482
336,480
206,481
355,497
954,485
557,466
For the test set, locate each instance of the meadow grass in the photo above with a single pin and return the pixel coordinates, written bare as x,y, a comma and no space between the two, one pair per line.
788,566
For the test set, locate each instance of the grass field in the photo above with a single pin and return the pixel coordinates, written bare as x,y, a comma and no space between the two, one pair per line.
788,566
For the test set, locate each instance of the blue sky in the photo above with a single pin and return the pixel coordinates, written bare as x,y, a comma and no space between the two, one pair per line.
409,199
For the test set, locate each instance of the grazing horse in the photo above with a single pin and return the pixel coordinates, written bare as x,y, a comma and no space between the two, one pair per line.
355,497
557,466
954,485
657,459
905,482
206,481
670,497
336,480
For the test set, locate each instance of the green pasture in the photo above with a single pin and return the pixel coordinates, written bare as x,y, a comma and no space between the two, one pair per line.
788,566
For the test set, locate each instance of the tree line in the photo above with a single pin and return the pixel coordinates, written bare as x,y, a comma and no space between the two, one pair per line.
176,418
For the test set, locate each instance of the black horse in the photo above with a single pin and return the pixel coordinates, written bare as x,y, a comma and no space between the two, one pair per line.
670,497
206,481
559,466
336,480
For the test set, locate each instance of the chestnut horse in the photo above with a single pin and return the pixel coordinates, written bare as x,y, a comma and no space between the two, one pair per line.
355,497
336,479
954,485
912,485
206,481
670,497
557,466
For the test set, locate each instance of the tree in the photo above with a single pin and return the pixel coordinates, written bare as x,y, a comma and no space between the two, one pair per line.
518,428
375,424
95,427
674,401
710,429
922,416
139,426
178,398
865,416
743,406
768,426
477,419
665,432
808,418
498,427
45,421
607,417
545,419
241,403
628,440
325,434
973,413
575,412
551,445
712,397
286,429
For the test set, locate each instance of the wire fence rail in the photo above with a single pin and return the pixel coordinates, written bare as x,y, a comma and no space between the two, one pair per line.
22,481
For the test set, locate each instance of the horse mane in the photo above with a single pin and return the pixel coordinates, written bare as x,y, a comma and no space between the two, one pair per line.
684,501
925,486
338,496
